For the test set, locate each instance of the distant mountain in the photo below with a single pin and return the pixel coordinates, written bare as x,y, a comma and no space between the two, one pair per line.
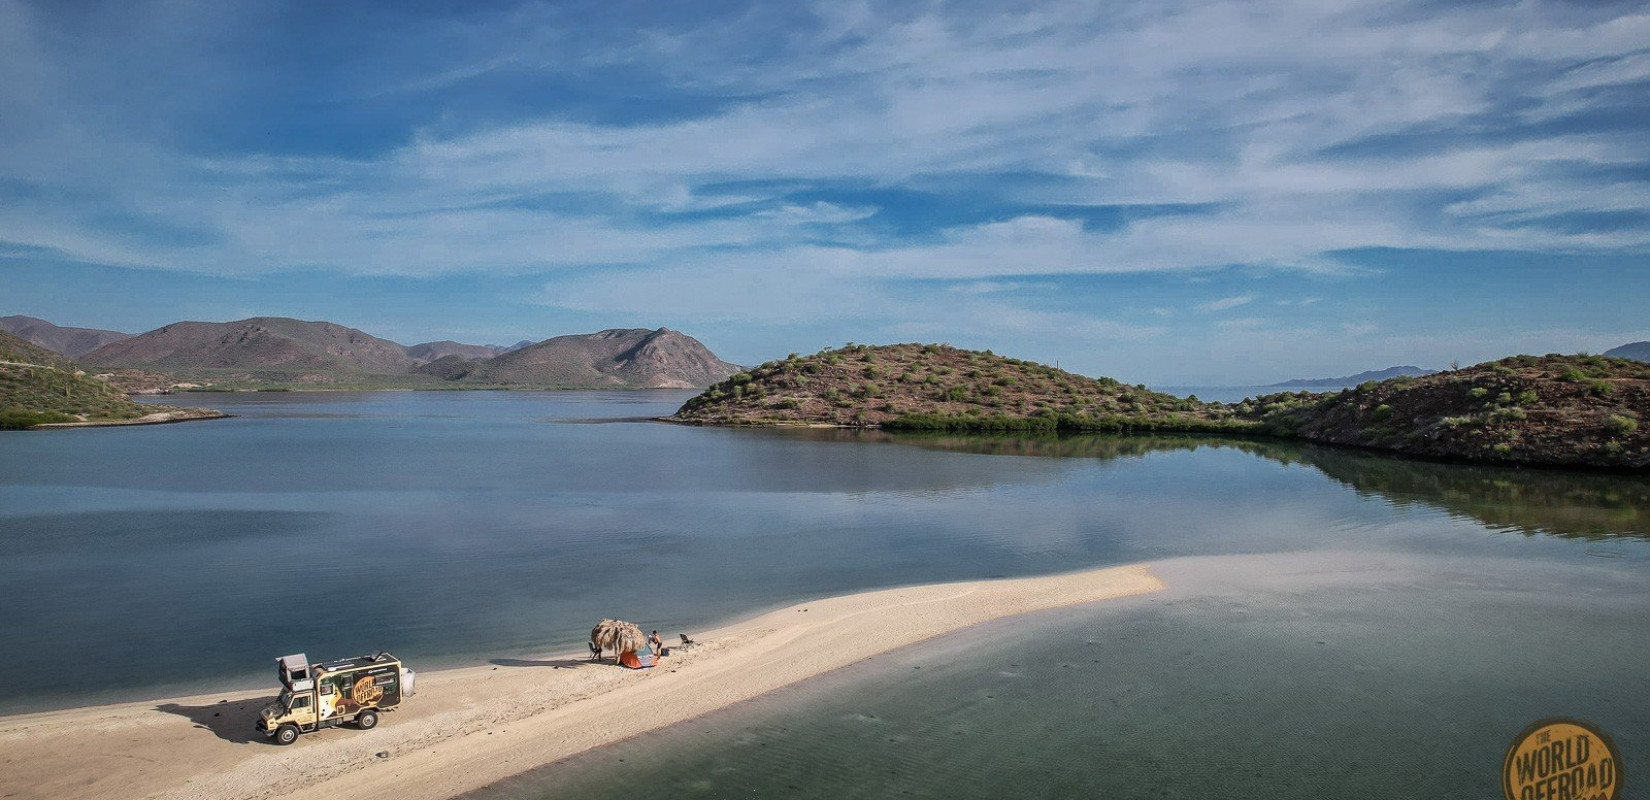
265,350
1354,380
270,344
517,346
1638,351
432,351
635,358
72,342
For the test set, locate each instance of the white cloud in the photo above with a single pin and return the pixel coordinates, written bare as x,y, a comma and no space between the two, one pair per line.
1226,303
1301,129
1050,88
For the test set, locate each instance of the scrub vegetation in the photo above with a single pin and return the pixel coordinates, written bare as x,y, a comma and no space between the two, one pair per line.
1551,410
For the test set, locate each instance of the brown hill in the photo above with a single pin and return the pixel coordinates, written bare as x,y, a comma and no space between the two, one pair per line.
263,344
448,368
631,358
939,387
432,351
1558,410
72,342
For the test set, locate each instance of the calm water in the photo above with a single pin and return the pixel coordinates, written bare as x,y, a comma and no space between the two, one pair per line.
456,528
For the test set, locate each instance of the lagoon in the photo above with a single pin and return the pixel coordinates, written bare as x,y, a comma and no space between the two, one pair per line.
458,528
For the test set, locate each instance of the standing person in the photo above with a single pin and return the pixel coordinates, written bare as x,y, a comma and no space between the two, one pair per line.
657,643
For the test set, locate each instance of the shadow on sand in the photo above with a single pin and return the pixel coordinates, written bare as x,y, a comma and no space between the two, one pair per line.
558,663
230,720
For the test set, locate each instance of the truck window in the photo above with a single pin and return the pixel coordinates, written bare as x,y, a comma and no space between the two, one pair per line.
300,701
327,688
384,680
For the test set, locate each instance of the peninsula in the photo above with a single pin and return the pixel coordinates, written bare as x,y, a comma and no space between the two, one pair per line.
41,389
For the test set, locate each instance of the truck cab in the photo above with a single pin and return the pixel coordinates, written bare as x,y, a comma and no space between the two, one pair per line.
315,696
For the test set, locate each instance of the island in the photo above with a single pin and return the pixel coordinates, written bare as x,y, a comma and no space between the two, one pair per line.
1553,410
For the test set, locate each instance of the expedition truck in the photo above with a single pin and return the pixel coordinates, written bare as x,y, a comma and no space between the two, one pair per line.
316,696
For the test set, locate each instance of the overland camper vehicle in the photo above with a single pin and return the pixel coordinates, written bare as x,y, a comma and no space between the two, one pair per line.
316,696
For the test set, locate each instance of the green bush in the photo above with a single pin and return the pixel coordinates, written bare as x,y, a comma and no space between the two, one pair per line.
1383,411
1619,424
16,420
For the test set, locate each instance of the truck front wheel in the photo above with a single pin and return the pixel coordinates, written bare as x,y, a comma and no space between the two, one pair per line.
367,720
286,734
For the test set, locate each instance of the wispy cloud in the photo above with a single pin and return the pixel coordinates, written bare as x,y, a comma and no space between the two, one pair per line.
1226,303
747,165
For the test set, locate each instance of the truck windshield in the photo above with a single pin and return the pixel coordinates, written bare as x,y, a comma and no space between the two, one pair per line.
285,700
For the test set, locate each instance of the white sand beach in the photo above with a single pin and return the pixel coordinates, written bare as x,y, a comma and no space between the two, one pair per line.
469,727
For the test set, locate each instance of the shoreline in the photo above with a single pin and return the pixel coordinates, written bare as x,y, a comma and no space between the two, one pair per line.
471,726
158,418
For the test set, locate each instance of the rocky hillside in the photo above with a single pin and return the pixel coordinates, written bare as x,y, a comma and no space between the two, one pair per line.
1557,410
308,351
938,387
15,349
627,358
39,387
71,342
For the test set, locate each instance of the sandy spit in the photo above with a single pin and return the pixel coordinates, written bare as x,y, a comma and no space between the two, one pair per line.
472,726
157,418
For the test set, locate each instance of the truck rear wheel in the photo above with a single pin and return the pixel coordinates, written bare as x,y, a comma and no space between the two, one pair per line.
286,734
367,720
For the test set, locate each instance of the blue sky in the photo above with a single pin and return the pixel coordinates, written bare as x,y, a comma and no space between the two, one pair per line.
1169,192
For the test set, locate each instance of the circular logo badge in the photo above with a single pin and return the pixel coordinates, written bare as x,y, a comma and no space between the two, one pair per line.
1562,759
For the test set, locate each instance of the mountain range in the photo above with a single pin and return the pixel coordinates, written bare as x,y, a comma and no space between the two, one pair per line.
265,350
1638,351
1354,380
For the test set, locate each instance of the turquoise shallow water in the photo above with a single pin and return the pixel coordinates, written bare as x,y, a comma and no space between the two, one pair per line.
1326,675
1405,613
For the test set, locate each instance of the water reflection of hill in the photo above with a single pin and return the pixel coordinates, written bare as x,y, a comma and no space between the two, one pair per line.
1530,501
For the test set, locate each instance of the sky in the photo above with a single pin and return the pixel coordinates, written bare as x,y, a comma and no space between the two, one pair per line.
1169,192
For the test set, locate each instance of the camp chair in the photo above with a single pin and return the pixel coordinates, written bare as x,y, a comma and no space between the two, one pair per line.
686,642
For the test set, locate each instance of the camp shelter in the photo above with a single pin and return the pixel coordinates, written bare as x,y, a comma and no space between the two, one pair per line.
638,659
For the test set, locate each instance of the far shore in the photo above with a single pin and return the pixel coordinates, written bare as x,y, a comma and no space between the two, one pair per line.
469,727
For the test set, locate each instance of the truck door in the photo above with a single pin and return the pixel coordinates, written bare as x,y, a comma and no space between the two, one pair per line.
303,714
